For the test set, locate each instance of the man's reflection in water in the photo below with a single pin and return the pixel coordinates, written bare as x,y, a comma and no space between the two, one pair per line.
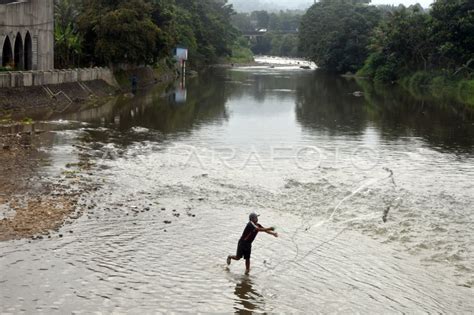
248,299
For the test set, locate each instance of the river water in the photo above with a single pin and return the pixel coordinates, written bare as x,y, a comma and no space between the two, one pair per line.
372,195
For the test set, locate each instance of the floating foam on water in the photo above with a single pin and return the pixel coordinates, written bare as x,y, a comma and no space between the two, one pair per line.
62,122
140,129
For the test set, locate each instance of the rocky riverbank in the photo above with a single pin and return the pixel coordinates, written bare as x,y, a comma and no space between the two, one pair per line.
36,201
32,204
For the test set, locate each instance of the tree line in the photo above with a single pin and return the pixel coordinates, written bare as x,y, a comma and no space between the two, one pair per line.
280,31
391,43
141,32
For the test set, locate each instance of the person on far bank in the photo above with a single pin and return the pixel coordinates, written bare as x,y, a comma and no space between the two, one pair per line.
244,247
134,81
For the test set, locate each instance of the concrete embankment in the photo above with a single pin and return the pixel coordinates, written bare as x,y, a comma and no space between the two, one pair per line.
56,98
18,79
24,93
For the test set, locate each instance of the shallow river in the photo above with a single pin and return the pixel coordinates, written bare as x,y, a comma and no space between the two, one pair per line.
372,195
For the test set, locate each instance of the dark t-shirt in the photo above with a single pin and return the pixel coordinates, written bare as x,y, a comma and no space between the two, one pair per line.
250,232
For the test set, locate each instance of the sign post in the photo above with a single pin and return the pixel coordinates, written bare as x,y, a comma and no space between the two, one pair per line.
181,55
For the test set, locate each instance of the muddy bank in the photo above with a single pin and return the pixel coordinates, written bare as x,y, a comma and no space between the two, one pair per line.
32,204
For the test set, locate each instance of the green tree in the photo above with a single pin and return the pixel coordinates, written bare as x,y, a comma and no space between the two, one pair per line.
452,32
164,16
207,25
67,39
285,21
66,12
243,22
289,45
335,34
399,45
120,31
68,46
185,33
141,32
262,19
411,39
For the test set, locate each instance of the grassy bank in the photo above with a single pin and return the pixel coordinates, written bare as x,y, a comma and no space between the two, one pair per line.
163,71
241,55
440,86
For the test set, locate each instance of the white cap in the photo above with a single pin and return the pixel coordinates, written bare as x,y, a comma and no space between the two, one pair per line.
253,215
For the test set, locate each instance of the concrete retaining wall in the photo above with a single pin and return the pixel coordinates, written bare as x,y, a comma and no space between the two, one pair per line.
38,78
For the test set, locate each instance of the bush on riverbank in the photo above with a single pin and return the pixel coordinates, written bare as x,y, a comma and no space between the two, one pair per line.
241,52
440,86
241,55
379,68
426,51
466,91
163,70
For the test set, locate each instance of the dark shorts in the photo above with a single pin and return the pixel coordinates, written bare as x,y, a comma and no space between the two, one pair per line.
244,249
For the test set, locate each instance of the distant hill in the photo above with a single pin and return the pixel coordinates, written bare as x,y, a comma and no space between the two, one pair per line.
270,5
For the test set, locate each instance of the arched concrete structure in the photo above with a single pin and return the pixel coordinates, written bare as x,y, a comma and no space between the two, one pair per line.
18,52
33,22
28,52
7,52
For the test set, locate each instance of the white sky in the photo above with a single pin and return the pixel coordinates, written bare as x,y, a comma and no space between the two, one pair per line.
424,3
293,4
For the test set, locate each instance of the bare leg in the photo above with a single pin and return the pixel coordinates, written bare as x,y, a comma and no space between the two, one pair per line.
232,257
247,266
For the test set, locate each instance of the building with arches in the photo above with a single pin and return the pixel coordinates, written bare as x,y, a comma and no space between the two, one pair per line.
27,34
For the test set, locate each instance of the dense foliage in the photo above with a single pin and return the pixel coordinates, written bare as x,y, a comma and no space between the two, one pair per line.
409,40
138,32
335,34
68,41
391,43
400,43
451,29
119,31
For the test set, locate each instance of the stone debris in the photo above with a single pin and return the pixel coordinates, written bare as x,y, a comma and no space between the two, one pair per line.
36,205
